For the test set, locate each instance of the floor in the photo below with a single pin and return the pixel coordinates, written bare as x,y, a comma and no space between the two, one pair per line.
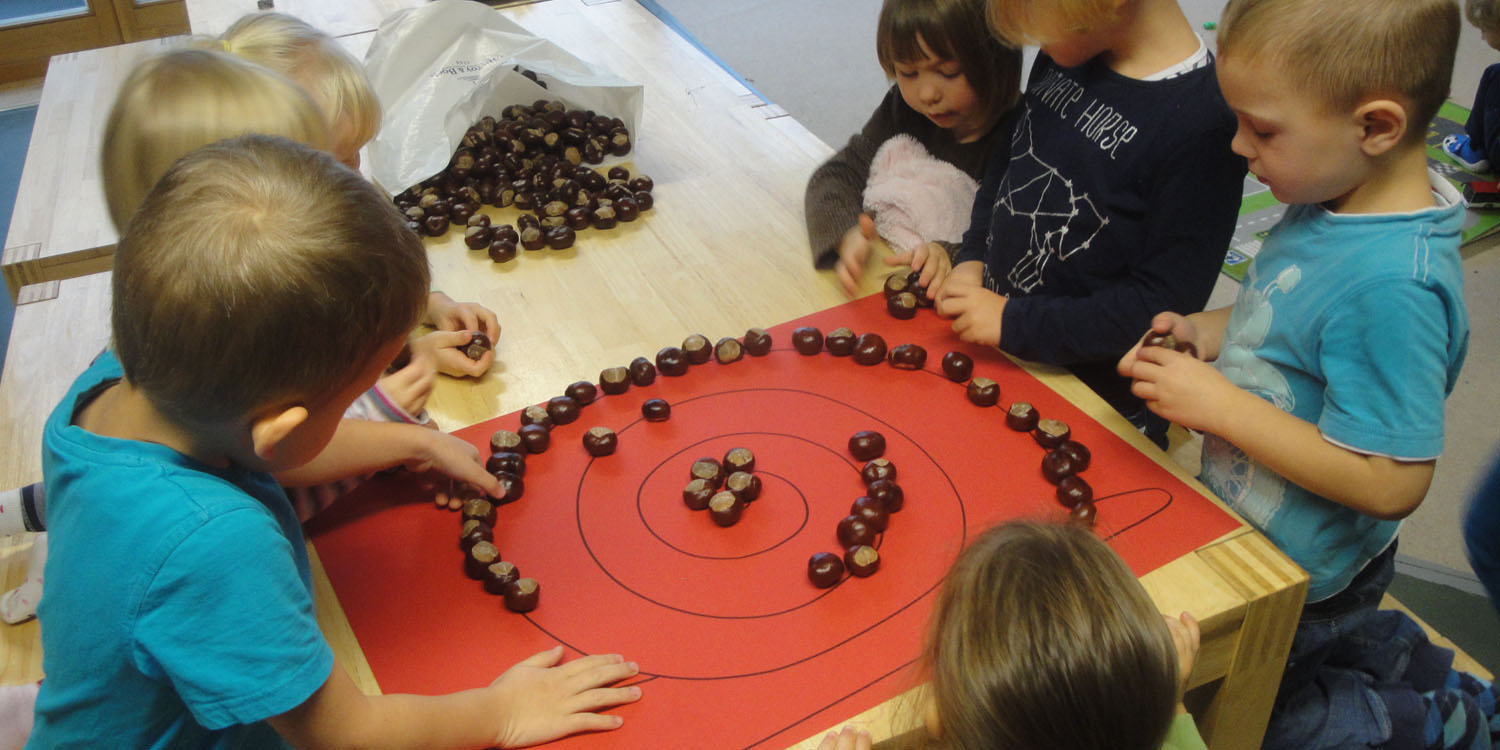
822,70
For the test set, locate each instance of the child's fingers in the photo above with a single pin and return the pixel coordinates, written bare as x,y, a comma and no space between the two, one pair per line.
867,226
543,659
603,697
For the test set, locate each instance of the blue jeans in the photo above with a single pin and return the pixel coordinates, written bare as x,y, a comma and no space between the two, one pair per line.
1355,673
1482,533
1483,125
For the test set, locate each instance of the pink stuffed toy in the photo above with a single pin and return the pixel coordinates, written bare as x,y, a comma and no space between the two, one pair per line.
916,198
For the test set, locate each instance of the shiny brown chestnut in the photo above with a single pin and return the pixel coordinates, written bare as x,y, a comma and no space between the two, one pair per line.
757,342
709,470
839,342
512,486
739,459
626,208
479,509
1084,514
807,340
656,410
477,238
1051,433
671,361
577,218
502,251
861,560
866,444
533,239
582,391
728,350
871,511
643,201
505,232
1073,490
536,438
618,172
473,532
562,409
642,184
600,441
1022,417
477,346
744,485
525,221
895,284
614,380
697,493
958,366
478,558
725,509
479,220
869,349
876,469
853,530
435,225
914,285
1079,452
499,575
536,414
522,595
825,569
503,441
560,238
1057,465
696,349
642,372
908,357
983,392
512,461
603,217
887,493
902,306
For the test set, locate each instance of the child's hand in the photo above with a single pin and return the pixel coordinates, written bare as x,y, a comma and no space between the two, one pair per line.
977,311
969,272
540,701
1185,637
444,457
446,315
932,260
445,350
854,250
410,386
847,739
1179,326
1179,386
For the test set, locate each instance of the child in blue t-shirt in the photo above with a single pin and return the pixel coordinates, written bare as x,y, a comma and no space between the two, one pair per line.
1118,198
181,607
1320,392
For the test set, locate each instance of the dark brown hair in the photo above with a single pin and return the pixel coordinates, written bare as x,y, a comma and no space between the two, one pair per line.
1042,638
952,30
260,271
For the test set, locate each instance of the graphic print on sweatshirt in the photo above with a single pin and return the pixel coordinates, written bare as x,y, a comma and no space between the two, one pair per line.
1062,220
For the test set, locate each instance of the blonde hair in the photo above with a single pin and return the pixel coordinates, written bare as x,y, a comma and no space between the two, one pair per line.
175,102
1042,638
952,30
336,80
1484,14
1345,52
1022,22
260,271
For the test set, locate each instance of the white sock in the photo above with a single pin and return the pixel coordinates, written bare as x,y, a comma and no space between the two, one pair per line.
17,709
12,518
19,604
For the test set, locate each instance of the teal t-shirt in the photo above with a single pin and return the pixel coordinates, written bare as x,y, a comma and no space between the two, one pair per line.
179,606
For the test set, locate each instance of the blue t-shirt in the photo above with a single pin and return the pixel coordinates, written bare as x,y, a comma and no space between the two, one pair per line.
1355,323
179,606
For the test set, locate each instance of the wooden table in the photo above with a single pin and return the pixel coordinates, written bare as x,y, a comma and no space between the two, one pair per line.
724,250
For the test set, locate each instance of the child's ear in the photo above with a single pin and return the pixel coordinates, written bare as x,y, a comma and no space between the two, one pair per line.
1383,126
271,428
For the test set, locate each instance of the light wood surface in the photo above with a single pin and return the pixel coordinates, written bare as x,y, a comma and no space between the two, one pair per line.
725,249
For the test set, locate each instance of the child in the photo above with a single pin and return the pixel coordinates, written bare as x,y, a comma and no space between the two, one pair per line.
156,466
1119,197
1482,130
954,85
1042,638
1323,408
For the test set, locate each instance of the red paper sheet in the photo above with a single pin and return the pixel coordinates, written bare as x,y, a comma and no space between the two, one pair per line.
736,647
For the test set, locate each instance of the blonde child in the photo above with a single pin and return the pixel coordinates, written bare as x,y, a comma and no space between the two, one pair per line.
1042,638
337,82
1481,136
157,462
1119,197
954,85
1321,390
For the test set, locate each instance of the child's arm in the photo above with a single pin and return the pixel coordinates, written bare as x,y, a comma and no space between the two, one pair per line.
359,447
1194,394
1203,330
533,702
454,321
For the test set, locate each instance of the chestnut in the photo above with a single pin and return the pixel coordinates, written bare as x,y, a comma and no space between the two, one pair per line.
866,444
473,532
839,342
709,470
479,557
807,340
876,469
725,508
895,284
642,372
504,440
642,184
1022,417
887,493
560,238
871,511
505,232
511,487
477,238
502,251
739,459
1057,465
869,349
577,218
522,595
614,380
532,238
1078,452
671,361
643,201
757,342
862,560
656,410
626,208
562,409
902,306
957,366
525,221
618,172
743,485
499,575
697,494
824,569
914,285
435,225
512,461
603,217
853,530
1073,490
1084,514
479,220
728,350
582,392
983,392
1051,433
480,509
536,438
477,346
695,349
908,357
600,441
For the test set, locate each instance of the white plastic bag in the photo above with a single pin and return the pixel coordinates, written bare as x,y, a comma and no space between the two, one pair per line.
440,67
